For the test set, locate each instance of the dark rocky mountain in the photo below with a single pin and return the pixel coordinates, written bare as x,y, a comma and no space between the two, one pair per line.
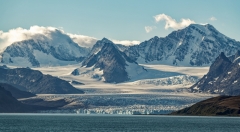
16,93
9,104
35,82
195,45
223,78
221,105
35,53
115,64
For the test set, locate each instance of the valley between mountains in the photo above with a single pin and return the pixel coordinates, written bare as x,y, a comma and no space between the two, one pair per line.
158,76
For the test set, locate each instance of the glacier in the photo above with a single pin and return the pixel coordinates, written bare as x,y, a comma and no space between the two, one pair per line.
161,95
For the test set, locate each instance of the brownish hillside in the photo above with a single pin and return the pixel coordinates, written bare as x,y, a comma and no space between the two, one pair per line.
221,105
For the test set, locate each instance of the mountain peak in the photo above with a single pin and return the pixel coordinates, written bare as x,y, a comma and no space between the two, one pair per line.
110,60
206,29
99,44
195,45
219,65
105,40
200,25
155,37
223,57
113,63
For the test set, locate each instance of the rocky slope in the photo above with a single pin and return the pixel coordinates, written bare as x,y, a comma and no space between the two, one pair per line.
35,82
9,104
223,78
222,105
116,67
16,93
195,45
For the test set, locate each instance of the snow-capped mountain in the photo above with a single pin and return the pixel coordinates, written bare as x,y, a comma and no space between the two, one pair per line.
223,78
115,65
195,45
56,49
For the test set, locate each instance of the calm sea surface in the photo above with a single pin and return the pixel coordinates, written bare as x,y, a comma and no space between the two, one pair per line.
109,123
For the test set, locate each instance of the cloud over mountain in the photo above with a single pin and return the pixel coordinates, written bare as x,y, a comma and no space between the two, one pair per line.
84,41
125,42
41,33
172,23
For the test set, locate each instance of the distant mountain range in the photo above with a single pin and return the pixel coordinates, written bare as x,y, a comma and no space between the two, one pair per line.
195,45
36,53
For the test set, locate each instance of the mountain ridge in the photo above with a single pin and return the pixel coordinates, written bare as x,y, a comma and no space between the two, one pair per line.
35,82
16,93
216,106
195,45
36,53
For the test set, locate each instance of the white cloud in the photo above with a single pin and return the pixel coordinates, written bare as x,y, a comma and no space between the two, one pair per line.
41,33
172,23
57,35
125,42
149,28
212,18
84,41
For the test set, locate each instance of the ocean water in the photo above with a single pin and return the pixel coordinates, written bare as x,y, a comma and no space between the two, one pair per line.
112,123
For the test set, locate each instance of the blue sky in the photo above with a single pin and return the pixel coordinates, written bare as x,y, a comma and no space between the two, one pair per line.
119,19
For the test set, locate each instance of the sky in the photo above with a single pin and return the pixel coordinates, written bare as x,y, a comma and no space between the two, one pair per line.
130,20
